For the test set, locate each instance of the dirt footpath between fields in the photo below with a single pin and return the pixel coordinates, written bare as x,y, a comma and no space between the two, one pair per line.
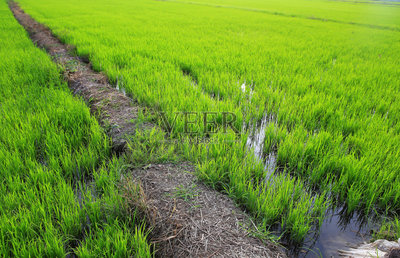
188,218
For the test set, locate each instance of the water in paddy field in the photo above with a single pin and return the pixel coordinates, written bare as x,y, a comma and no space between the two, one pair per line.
338,231
120,86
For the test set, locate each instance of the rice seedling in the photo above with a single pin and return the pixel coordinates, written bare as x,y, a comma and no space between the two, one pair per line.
58,190
327,72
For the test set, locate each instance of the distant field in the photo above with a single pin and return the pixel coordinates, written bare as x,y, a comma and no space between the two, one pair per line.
384,14
325,74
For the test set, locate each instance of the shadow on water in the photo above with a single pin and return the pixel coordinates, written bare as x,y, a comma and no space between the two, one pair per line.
338,232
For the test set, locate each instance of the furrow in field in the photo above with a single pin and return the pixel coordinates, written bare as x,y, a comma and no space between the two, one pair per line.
58,192
332,88
117,110
188,218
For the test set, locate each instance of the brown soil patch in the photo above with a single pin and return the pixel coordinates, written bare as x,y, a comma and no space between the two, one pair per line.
188,218
193,220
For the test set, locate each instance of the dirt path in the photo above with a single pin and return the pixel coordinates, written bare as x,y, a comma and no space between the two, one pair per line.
189,218
115,109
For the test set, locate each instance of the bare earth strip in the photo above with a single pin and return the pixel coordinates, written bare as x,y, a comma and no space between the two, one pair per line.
115,109
188,218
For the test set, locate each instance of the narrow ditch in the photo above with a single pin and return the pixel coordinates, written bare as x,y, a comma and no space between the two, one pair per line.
189,218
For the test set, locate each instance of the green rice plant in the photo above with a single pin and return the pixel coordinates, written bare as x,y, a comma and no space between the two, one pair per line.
389,229
115,241
150,147
58,195
326,71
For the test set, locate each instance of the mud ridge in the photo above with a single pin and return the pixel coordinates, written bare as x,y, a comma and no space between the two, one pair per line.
188,218
117,111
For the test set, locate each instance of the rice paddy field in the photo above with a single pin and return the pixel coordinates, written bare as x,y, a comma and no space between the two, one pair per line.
50,148
314,86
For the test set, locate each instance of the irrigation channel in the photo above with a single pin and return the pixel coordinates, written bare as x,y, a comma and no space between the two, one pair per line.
338,232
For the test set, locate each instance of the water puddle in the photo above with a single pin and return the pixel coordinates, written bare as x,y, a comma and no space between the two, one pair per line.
255,141
122,90
120,86
270,165
338,231
249,87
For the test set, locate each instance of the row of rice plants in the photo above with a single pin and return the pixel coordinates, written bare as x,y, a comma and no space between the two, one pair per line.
58,191
333,97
